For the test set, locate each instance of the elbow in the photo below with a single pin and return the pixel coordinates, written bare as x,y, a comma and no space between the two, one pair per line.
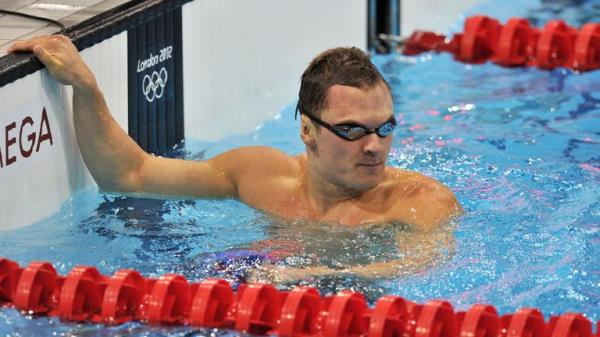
125,179
119,184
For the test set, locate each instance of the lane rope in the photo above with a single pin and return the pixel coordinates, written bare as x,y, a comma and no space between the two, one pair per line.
85,295
515,44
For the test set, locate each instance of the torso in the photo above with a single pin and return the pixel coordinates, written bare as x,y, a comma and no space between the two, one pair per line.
399,198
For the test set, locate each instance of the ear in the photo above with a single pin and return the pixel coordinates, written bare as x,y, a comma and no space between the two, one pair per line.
307,132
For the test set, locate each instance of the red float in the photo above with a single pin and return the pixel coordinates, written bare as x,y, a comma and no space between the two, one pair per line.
479,41
258,309
169,300
9,275
527,322
122,297
211,303
81,295
389,317
587,48
516,44
36,291
480,321
437,319
345,315
422,41
572,325
300,312
555,45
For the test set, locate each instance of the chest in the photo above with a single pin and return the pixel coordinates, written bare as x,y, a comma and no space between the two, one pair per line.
288,202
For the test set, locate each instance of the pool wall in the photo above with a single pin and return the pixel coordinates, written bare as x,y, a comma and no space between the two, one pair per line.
434,15
237,62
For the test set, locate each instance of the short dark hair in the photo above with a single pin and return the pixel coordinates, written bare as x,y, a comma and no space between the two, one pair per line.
347,66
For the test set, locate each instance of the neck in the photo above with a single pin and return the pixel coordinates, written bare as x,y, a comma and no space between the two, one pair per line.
323,194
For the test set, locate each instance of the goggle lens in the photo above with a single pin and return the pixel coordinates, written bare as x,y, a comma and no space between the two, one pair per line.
354,132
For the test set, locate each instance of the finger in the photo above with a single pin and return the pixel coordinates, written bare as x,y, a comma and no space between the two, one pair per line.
24,46
43,55
16,47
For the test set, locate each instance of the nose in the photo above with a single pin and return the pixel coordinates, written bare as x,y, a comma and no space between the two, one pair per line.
373,145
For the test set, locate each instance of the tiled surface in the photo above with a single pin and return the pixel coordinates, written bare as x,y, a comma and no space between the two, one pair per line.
20,22
10,33
68,12
11,5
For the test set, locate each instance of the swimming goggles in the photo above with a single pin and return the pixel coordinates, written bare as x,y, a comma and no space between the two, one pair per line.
352,131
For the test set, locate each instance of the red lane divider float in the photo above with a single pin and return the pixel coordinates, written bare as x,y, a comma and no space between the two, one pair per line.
211,305
515,44
37,289
86,295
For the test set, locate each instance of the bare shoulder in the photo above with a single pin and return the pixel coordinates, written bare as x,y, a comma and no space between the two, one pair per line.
421,200
261,175
256,152
411,184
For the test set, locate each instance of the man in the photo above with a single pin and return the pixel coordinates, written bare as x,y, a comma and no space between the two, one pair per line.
347,122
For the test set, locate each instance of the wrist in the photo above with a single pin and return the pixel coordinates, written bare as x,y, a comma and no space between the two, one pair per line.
86,84
87,88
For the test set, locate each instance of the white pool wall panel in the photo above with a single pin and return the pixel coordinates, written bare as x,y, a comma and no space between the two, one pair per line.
440,16
243,59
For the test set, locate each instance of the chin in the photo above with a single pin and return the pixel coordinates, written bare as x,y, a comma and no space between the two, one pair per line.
365,184
368,178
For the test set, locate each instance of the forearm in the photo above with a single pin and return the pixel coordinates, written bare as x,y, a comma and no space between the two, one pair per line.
112,157
376,270
385,269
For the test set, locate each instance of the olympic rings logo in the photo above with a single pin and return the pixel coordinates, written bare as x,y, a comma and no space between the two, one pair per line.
153,86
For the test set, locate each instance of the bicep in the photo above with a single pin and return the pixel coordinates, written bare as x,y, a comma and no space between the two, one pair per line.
183,178
220,177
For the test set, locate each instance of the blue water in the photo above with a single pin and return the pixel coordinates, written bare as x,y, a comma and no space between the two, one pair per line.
519,147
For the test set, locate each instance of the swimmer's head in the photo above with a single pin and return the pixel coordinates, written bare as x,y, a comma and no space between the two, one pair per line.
347,66
346,119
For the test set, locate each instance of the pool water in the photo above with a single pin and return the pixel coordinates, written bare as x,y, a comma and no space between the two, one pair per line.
519,147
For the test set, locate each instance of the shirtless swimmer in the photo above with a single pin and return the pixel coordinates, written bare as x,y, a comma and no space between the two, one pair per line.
347,123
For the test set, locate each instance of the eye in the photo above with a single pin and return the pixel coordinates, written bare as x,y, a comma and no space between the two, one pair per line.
351,131
345,127
387,128
356,132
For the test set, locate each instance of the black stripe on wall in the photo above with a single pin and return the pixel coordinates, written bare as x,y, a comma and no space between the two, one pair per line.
383,17
155,75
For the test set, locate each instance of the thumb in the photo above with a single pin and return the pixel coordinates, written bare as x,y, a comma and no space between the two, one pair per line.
43,55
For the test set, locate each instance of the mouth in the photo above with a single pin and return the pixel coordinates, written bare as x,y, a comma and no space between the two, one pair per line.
370,164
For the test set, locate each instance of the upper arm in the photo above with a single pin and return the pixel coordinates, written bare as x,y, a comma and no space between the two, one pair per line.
218,177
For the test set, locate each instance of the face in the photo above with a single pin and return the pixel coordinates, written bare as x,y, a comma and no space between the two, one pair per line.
357,164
